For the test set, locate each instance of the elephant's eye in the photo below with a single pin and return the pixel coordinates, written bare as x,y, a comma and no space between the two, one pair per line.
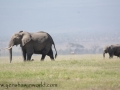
16,36
13,40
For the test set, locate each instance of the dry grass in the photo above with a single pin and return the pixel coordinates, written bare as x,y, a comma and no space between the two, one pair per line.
69,72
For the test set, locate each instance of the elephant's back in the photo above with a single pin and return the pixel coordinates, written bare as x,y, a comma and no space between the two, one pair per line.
40,40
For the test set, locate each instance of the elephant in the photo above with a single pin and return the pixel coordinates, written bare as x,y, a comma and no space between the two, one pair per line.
112,50
32,43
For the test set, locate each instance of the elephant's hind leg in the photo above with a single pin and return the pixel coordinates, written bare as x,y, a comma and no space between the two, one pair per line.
44,53
43,57
50,54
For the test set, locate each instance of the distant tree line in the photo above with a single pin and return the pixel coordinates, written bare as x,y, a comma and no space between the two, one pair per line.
80,49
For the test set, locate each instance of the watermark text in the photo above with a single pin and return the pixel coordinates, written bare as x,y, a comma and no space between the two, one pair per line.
42,84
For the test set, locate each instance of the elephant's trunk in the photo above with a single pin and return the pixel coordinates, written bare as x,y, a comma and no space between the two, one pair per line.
104,54
11,44
10,52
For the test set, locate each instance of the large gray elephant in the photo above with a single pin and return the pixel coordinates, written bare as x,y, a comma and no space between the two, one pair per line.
112,50
33,43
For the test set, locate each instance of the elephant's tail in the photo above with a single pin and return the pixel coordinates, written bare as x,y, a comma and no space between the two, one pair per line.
53,45
55,49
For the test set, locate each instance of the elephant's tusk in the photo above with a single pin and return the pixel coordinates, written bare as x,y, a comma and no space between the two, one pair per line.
9,47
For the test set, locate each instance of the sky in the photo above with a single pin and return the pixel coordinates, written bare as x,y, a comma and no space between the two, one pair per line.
56,16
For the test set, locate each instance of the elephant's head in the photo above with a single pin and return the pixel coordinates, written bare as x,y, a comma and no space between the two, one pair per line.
106,50
18,38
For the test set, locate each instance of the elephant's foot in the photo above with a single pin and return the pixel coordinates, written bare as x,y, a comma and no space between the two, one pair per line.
28,60
52,60
42,59
32,60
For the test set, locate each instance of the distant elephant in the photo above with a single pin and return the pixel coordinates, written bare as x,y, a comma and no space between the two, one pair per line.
32,43
112,50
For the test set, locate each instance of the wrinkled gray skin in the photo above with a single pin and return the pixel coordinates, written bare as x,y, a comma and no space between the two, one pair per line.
33,43
112,50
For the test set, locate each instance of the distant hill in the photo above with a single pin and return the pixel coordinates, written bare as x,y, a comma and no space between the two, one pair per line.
88,36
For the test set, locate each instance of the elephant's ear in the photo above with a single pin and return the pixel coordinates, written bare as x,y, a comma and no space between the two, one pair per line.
26,38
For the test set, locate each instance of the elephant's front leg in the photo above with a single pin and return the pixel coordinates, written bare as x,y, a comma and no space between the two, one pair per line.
110,55
29,55
29,50
23,54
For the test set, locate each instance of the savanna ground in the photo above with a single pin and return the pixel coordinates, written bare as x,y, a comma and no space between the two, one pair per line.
67,72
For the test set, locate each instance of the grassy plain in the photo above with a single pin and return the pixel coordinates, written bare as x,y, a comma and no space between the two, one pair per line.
67,72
